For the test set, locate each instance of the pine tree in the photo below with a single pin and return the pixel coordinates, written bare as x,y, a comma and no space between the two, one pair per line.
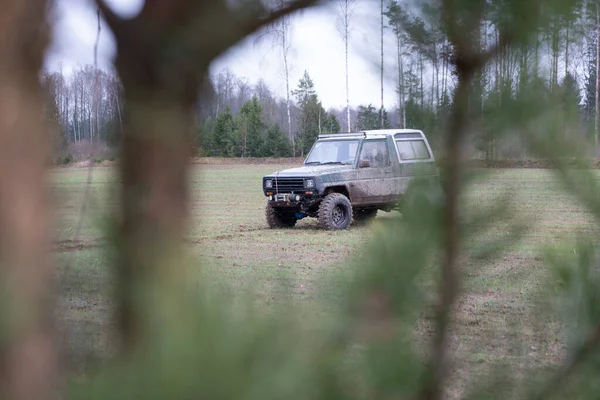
251,126
398,21
311,111
385,124
276,143
368,118
589,90
224,135
330,124
570,99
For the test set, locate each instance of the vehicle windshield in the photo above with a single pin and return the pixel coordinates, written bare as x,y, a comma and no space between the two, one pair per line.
333,152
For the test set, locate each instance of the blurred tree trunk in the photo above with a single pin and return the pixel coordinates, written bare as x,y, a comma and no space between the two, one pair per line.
28,361
162,58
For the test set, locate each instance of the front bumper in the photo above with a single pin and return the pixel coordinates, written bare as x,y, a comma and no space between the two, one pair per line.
301,201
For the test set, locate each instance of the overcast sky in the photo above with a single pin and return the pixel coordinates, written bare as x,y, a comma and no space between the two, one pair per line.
316,47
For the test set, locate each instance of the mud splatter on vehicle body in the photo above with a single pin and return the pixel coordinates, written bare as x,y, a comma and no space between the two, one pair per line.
348,177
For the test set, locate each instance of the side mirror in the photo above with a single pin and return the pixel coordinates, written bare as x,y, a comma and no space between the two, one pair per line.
364,164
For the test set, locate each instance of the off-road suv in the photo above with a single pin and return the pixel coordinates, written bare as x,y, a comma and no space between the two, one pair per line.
348,177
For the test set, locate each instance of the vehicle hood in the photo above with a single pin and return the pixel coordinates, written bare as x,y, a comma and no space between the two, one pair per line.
312,170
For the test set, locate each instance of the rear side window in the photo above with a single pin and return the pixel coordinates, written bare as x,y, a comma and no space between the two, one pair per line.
410,150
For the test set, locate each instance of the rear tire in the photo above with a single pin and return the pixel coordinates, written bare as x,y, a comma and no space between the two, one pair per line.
335,212
279,219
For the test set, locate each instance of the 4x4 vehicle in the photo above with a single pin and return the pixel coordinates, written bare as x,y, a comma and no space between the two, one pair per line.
348,177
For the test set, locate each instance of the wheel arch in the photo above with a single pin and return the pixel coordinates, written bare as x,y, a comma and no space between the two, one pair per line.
337,189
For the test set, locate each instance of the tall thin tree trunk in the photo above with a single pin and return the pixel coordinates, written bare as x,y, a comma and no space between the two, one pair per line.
119,112
421,67
381,111
437,77
319,121
90,125
83,112
347,84
400,82
497,63
287,89
444,72
75,119
537,59
96,95
67,116
555,50
567,49
597,78
432,101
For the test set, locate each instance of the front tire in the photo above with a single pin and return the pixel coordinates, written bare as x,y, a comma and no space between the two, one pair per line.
279,219
335,212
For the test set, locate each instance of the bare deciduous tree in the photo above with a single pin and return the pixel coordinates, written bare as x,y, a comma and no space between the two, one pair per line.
381,14
346,10
280,31
96,95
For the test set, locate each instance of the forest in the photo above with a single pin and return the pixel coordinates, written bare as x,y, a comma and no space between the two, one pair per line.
239,118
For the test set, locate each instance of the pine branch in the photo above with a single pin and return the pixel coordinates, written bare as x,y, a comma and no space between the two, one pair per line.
553,385
258,20
467,65
113,20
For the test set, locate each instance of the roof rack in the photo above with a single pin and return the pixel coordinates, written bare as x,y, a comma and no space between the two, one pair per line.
342,134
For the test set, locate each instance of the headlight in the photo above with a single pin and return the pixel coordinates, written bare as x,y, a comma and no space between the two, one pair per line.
268,183
309,183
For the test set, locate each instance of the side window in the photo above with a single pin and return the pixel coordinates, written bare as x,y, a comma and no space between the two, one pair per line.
376,152
420,149
411,150
405,150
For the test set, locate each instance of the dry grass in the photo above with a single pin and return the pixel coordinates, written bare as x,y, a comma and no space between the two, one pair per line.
233,249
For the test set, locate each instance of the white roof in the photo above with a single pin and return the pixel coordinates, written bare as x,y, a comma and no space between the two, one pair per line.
369,133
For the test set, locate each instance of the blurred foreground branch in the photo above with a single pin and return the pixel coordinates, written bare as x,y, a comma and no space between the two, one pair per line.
468,61
28,359
163,59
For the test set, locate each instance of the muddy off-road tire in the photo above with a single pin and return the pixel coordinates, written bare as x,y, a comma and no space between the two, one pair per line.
335,212
278,219
364,215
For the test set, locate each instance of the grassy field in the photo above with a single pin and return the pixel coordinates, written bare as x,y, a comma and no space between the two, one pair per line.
228,236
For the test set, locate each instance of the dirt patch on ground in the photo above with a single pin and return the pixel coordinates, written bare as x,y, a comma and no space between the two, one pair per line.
65,246
89,163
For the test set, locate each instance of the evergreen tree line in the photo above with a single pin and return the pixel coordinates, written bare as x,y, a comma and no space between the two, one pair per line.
234,126
561,63
235,119
243,135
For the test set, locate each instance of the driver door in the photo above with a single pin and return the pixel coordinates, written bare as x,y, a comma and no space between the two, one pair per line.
375,180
